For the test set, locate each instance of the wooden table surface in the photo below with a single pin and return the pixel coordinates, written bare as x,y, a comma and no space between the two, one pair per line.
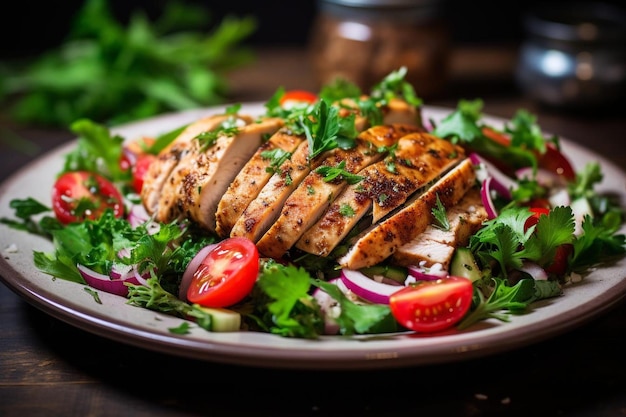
49,368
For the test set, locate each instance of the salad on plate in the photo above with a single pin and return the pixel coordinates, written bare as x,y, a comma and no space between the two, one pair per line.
333,213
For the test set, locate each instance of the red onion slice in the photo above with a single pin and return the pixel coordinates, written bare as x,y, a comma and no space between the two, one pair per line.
137,215
424,273
485,195
105,283
503,182
366,288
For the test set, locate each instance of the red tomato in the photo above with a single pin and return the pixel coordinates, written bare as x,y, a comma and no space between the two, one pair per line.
226,275
133,150
496,136
431,306
301,96
140,168
560,261
553,160
82,195
534,218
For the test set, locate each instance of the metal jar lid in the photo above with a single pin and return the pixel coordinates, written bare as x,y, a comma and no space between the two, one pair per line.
401,10
577,22
382,3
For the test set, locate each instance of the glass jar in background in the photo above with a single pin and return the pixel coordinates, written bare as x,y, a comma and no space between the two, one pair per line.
364,40
573,56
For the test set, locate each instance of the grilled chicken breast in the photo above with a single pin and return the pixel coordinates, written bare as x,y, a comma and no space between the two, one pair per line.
263,210
419,159
195,186
252,178
169,157
312,196
381,240
437,245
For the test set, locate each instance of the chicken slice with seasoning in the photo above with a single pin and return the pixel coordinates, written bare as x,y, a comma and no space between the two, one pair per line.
194,188
168,158
419,159
262,212
381,240
436,245
255,174
313,196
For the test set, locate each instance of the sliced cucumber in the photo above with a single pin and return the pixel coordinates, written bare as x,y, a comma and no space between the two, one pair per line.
464,265
396,273
223,319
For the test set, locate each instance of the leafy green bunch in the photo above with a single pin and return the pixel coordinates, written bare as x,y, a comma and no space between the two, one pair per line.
110,73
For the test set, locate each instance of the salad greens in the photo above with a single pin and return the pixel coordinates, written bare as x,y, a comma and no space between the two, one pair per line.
110,73
282,301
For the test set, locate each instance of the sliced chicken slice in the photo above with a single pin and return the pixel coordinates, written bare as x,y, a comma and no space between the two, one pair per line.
265,208
437,245
419,159
169,157
201,178
313,196
381,240
252,178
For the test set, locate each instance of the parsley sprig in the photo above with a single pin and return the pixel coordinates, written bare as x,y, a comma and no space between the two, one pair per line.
325,130
331,173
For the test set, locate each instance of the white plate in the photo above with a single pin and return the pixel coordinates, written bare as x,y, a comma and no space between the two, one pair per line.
122,322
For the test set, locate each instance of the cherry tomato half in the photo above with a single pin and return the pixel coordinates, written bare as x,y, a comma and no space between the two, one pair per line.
140,168
536,212
226,275
431,306
554,160
297,96
82,195
559,264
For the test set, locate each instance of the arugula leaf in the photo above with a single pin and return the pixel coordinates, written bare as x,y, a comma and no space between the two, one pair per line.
25,210
505,300
154,297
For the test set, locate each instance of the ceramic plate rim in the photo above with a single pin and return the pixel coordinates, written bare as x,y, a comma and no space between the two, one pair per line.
124,323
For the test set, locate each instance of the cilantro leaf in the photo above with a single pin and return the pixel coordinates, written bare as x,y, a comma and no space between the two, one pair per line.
293,313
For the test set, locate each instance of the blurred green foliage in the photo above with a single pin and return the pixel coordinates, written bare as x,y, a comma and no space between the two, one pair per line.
112,73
